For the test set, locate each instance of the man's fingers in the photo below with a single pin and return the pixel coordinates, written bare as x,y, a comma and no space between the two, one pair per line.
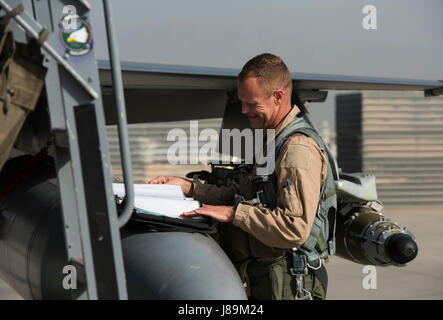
190,214
220,213
197,212
204,210
158,180
154,181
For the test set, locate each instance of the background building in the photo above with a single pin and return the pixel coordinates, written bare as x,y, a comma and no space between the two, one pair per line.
398,137
149,147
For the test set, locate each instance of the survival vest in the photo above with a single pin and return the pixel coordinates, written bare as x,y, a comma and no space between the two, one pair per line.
321,240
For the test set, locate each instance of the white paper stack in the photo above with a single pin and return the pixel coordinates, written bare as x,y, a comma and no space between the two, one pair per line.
158,199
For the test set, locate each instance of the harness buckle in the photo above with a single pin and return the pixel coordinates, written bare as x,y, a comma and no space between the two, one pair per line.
299,263
299,270
302,293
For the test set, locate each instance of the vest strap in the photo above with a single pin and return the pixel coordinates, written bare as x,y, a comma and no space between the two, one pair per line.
319,243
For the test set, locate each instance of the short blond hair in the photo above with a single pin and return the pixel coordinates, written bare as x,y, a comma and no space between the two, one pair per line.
270,71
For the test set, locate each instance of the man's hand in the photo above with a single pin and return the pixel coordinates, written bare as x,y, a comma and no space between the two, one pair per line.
220,213
187,186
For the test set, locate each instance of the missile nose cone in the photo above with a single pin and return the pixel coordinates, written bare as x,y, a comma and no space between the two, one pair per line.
401,248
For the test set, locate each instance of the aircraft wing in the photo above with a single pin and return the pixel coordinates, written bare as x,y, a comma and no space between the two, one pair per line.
187,92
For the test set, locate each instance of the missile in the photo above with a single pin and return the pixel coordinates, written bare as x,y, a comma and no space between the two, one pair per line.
364,235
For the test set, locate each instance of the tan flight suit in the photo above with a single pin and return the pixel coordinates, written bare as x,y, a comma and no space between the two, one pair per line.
258,239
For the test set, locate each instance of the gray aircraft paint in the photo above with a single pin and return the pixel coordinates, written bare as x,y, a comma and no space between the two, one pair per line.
311,36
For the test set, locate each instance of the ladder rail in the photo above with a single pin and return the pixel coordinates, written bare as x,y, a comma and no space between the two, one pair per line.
121,115
91,224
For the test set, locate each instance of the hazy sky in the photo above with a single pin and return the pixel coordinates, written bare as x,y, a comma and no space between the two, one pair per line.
310,35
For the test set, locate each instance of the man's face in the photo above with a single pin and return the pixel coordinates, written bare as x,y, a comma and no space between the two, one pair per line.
260,109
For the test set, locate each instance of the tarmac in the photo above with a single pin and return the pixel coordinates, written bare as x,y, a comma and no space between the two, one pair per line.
419,280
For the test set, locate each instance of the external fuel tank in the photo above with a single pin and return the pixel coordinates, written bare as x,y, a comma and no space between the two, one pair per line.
158,265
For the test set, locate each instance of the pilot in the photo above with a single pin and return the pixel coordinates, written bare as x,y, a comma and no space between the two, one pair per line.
258,240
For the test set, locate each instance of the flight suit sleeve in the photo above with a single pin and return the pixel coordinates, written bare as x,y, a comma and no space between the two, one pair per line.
301,170
211,194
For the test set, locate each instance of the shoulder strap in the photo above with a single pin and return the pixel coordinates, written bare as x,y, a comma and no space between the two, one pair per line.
304,126
319,243
294,127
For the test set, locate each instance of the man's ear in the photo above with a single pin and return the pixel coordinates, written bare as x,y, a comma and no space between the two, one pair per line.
278,96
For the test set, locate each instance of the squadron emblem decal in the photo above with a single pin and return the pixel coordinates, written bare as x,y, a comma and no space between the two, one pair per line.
76,35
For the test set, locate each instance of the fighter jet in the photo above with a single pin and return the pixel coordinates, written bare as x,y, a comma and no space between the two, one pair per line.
59,216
